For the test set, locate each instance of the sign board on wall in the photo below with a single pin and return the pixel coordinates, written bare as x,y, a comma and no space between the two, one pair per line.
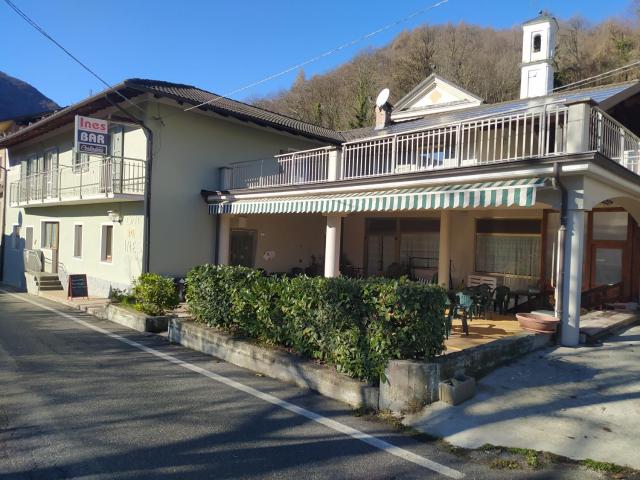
92,135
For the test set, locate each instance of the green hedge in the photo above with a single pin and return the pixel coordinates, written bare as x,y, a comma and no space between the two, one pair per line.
355,325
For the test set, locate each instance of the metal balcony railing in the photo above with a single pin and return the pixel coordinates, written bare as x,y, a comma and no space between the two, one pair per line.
539,132
306,166
94,177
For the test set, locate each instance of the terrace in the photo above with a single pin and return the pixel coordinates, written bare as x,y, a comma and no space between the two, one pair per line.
546,131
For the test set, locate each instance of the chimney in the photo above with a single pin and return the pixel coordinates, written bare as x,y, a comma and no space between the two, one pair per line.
383,116
538,49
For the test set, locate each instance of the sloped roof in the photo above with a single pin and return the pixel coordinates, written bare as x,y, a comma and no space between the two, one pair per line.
606,96
186,94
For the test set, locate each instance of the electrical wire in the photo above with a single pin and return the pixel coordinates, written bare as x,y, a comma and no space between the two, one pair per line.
37,27
322,55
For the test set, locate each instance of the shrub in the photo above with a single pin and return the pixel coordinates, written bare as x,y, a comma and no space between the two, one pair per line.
155,294
355,325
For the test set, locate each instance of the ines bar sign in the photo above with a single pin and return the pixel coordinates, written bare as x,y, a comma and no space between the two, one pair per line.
92,135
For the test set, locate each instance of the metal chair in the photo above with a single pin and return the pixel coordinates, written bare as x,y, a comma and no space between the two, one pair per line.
464,310
501,299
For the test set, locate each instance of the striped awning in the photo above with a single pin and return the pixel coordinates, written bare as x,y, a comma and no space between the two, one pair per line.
521,193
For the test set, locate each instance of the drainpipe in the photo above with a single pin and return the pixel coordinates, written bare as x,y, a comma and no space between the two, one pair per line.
148,133
562,233
3,167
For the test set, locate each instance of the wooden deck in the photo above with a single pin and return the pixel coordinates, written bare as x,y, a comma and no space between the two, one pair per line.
482,331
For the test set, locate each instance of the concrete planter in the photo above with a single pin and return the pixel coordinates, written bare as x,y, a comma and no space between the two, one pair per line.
538,322
409,385
457,389
273,363
137,320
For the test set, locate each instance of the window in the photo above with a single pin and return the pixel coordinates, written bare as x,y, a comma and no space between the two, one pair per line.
80,162
50,235
107,243
15,237
243,247
610,225
412,243
77,241
537,43
28,238
508,246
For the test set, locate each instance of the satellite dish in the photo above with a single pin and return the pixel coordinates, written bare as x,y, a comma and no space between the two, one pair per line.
383,96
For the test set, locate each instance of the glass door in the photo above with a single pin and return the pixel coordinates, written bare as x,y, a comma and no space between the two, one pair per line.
608,248
243,246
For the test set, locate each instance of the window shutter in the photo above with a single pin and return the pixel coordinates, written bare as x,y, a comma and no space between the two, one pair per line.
117,141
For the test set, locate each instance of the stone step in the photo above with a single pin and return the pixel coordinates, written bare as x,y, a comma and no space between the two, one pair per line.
48,288
53,281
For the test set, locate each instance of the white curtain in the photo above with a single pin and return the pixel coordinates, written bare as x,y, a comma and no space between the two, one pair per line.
422,245
514,255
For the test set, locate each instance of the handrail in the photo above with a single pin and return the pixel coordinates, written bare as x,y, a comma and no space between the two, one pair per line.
99,176
32,261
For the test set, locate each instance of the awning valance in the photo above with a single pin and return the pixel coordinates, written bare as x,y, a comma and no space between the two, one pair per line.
521,192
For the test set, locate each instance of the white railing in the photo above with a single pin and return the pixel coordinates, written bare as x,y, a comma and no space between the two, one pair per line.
95,177
524,134
614,140
307,166
32,261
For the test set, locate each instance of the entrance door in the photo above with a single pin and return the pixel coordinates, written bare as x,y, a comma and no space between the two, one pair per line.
50,242
243,245
609,248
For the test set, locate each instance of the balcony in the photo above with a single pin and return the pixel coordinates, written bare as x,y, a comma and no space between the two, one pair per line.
541,132
94,180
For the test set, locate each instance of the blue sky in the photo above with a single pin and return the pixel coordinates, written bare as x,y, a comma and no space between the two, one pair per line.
221,46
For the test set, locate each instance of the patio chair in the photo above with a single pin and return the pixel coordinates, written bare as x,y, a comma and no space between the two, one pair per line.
501,299
483,300
463,310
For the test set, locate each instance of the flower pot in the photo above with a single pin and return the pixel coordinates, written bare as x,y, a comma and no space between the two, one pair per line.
537,322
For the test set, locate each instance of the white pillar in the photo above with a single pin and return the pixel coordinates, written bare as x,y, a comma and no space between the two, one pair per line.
578,123
334,165
573,260
444,255
332,246
224,239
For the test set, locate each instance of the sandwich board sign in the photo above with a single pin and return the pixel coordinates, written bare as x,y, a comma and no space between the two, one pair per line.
92,135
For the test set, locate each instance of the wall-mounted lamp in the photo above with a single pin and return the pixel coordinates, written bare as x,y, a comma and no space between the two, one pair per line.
114,216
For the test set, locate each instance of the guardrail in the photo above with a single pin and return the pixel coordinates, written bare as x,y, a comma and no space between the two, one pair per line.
614,140
539,132
530,133
306,166
32,261
93,176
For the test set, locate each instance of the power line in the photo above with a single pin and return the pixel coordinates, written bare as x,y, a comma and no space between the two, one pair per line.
600,76
31,22
322,55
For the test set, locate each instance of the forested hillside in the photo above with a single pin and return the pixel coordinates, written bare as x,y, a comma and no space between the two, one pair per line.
482,60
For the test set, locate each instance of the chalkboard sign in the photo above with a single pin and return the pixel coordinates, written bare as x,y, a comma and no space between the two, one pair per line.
78,286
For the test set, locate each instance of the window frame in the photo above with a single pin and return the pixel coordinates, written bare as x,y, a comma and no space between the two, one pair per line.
80,162
75,240
540,235
43,233
104,258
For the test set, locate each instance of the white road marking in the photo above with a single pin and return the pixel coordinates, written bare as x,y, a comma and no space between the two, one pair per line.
327,422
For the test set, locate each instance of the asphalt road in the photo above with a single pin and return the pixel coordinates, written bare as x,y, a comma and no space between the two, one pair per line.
86,398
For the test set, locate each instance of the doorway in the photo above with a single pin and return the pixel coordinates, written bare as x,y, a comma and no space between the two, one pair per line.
242,248
609,261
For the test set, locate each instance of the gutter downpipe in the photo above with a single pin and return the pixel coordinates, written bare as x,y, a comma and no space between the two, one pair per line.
562,233
3,241
148,133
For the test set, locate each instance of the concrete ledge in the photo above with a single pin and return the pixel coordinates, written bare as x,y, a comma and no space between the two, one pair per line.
409,385
479,361
136,320
273,363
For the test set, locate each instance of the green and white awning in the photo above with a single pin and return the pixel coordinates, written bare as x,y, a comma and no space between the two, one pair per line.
521,193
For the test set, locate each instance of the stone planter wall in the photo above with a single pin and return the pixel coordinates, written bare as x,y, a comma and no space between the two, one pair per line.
273,363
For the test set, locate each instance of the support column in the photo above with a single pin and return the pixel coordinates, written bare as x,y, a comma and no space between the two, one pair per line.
224,239
332,246
444,256
572,285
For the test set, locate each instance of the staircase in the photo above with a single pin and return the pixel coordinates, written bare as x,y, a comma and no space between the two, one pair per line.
48,282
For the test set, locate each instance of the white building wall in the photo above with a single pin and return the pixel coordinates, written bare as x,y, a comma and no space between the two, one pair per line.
189,148
127,235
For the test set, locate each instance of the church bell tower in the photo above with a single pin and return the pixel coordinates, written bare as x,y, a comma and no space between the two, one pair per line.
538,48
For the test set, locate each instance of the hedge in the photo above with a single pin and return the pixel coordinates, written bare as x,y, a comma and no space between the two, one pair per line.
356,325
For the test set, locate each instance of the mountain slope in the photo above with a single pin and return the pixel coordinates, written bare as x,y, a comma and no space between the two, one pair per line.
18,98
